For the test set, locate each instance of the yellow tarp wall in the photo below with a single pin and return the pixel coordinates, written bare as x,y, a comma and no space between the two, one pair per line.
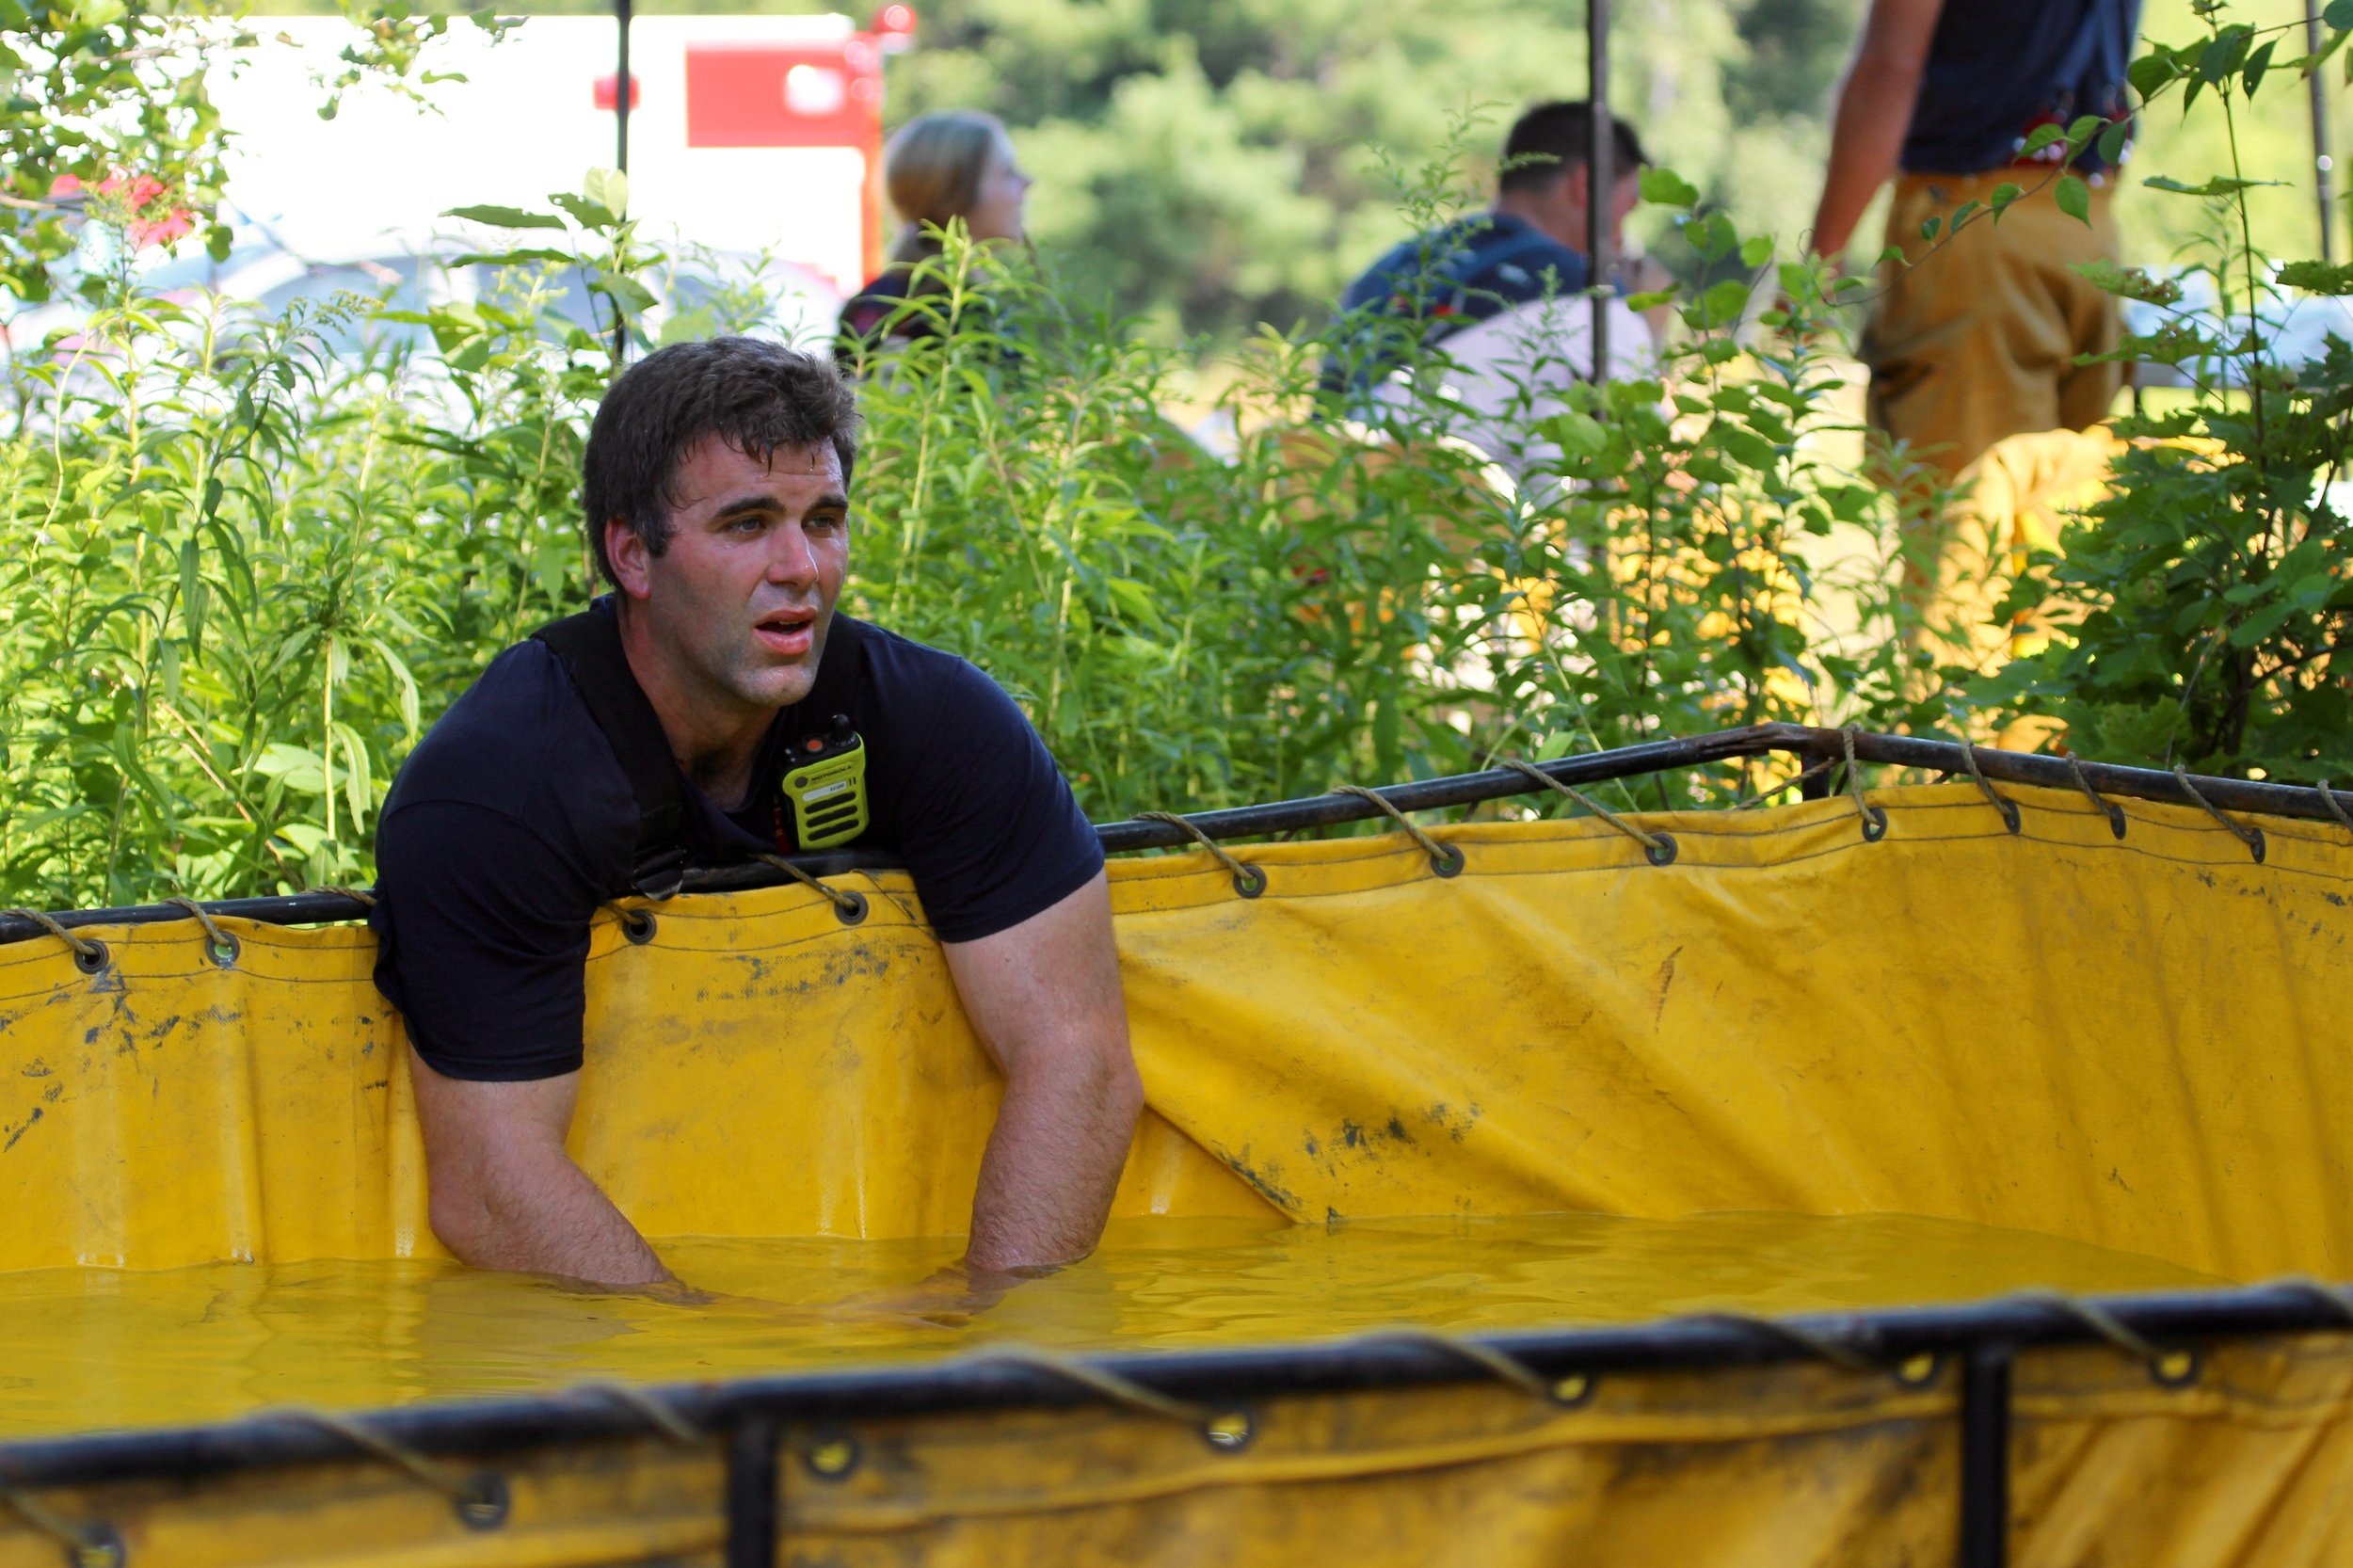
2138,1045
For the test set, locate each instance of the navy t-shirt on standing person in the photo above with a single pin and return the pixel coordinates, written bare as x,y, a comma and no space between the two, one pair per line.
513,821
1997,69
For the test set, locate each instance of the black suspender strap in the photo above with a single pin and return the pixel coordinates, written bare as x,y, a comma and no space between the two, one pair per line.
590,646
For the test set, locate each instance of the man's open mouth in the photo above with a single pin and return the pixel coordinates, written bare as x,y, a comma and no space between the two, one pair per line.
787,631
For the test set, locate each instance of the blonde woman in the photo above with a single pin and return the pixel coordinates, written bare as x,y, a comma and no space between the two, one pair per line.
956,167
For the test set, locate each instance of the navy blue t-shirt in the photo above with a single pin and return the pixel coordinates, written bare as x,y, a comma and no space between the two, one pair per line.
1451,277
1998,68
512,822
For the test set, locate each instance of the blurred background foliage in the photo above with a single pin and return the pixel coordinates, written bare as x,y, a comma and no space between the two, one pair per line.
1208,165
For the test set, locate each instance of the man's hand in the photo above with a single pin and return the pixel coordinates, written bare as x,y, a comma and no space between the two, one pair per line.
1044,999
505,1196
1875,104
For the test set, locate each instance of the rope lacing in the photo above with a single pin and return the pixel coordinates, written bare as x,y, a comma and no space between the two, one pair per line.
88,951
1249,880
1874,819
481,1500
1570,1389
654,1412
1805,1339
2251,837
1222,1430
2328,798
2002,803
86,1545
2106,806
2171,1368
1445,860
850,906
218,944
1658,847
360,896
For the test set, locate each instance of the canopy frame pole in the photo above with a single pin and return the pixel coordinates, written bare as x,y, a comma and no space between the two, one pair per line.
1600,182
2323,163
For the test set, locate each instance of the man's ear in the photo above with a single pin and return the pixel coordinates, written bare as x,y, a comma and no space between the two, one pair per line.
632,563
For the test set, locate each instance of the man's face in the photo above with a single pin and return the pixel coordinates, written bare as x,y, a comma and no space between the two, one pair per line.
739,602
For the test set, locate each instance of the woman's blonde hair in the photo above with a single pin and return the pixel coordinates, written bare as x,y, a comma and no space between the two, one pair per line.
933,170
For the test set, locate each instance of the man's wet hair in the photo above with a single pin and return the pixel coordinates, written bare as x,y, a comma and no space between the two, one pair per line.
754,394
1552,139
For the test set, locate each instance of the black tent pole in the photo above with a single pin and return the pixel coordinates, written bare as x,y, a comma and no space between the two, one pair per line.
1600,178
2324,166
622,10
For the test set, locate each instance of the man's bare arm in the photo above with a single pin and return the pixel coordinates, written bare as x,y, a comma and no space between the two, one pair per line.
1875,104
1046,1000
505,1196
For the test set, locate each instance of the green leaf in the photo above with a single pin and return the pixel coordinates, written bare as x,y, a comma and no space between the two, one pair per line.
1664,187
505,217
2073,198
1724,301
1650,300
2004,194
2339,15
589,215
1932,226
2318,277
2150,72
2253,76
1756,250
1963,213
608,189
2040,137
512,258
2220,186
2129,282
1576,434
2112,141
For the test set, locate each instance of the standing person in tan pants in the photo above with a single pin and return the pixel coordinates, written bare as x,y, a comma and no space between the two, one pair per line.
1977,338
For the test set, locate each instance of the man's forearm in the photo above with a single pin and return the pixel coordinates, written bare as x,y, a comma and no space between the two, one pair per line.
1052,1162
542,1215
1866,141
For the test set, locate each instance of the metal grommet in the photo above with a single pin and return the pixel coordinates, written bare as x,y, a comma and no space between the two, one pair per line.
637,925
91,956
1230,1432
1574,1389
1450,863
486,1502
849,908
2010,818
1918,1372
2256,843
101,1547
831,1455
1661,850
2176,1369
223,950
1874,824
1250,881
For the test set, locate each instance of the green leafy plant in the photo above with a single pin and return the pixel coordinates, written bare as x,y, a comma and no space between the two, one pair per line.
2205,609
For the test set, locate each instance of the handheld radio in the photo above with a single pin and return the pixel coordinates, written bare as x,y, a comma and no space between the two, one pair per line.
824,788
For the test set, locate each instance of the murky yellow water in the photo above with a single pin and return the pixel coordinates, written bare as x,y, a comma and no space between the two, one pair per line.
83,1349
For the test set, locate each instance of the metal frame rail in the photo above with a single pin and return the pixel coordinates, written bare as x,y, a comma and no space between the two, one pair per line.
754,1419
1814,746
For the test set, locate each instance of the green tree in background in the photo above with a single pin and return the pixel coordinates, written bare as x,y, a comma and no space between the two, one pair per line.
1216,163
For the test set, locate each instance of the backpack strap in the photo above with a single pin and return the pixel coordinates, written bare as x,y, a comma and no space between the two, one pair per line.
590,646
839,674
